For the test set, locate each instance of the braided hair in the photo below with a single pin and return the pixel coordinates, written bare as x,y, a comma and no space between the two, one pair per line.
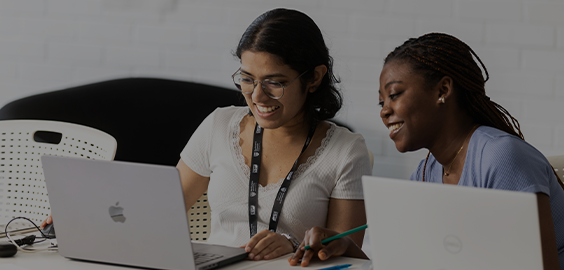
436,55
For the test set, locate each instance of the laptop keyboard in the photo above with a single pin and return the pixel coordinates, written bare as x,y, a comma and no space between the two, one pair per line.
201,258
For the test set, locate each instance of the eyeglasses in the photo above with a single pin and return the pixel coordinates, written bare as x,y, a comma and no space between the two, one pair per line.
271,88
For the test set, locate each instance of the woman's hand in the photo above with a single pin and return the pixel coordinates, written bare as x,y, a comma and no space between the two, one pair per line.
267,245
48,220
313,238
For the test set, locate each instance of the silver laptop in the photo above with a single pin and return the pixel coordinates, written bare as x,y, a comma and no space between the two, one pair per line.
125,213
415,225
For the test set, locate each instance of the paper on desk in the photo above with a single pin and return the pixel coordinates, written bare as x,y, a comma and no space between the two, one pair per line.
282,263
9,266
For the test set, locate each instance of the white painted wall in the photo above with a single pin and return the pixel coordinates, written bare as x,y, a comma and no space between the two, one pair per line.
52,44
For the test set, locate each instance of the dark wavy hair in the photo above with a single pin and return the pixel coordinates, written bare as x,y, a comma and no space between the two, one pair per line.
436,55
297,41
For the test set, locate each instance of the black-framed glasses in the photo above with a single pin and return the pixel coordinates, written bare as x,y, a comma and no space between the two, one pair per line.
271,88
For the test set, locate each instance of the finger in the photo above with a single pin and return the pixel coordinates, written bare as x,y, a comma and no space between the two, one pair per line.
295,259
316,236
279,246
254,240
334,248
45,222
308,240
277,252
266,250
264,246
50,219
300,252
307,257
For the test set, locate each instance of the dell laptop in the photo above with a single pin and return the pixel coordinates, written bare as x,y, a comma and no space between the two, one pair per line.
125,213
415,225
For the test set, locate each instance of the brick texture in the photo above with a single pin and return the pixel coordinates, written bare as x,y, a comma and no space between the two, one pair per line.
50,44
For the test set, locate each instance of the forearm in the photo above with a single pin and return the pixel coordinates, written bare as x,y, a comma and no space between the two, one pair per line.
354,250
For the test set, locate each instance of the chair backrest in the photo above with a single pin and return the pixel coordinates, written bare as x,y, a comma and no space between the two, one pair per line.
22,143
199,218
152,119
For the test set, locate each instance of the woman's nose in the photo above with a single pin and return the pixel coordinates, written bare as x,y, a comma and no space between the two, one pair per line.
385,112
258,93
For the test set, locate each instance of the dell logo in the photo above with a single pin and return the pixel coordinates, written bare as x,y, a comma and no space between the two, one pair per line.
452,244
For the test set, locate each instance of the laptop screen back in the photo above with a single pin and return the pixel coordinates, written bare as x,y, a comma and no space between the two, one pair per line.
414,225
118,212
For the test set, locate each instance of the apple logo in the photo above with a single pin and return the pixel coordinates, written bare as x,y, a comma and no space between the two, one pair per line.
116,212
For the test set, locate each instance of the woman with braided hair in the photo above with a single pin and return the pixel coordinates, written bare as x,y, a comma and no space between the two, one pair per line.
432,96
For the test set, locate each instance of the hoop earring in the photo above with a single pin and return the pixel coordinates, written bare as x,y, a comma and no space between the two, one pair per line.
442,99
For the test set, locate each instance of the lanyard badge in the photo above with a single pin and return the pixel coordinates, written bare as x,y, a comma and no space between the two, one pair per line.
254,182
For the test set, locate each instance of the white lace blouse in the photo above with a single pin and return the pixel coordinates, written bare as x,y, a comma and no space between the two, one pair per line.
334,171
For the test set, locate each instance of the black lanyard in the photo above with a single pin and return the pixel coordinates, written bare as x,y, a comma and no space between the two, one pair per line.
254,182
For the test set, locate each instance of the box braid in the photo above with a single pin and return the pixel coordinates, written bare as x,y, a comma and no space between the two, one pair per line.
436,55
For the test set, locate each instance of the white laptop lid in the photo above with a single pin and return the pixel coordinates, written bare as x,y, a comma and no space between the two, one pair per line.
153,231
415,225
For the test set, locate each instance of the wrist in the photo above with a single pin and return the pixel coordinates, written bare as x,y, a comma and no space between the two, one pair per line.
293,241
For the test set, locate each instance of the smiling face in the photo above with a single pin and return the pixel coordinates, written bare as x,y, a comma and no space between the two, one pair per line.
410,108
273,113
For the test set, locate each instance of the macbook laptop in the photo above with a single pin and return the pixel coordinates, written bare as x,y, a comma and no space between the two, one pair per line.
415,225
125,213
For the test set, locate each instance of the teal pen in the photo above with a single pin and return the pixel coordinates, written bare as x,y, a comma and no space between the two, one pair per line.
325,241
337,267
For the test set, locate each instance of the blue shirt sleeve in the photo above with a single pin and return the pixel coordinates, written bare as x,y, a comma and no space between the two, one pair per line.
510,163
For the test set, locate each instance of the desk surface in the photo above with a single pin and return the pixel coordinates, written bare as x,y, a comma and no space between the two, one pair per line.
52,260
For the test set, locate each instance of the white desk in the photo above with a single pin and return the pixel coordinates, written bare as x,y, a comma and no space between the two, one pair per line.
52,260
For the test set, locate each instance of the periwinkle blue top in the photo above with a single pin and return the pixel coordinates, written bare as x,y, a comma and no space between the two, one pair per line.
498,160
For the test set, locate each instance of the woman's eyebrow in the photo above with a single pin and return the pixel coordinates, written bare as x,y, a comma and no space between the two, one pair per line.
390,83
274,75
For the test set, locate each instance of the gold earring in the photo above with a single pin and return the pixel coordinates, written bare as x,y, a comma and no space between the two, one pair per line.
442,99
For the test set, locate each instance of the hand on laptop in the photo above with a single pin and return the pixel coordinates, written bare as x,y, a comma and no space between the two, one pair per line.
267,245
48,220
338,247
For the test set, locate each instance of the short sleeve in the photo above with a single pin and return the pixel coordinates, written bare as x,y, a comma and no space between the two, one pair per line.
196,153
510,163
355,163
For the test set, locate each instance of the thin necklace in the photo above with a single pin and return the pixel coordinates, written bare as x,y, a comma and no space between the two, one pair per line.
446,172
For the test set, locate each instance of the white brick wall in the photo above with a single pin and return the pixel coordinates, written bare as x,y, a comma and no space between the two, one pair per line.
52,44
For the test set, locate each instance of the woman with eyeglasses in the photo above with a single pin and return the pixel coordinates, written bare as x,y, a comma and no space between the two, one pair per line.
432,95
275,168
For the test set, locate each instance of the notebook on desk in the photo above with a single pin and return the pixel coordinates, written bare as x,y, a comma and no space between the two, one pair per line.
415,225
125,213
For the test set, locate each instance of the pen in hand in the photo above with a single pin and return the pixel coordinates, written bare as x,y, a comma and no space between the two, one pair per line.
327,240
